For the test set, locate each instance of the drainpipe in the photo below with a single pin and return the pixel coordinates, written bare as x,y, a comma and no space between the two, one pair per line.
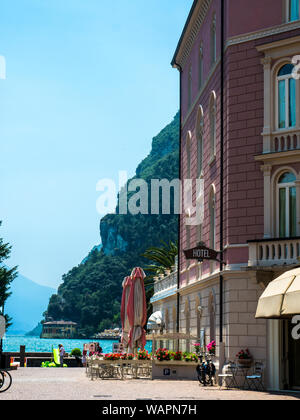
179,68
222,168
1,342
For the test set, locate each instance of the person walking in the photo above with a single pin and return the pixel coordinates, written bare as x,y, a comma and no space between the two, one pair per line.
61,354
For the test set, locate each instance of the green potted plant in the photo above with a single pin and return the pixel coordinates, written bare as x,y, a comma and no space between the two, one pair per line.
211,347
77,354
244,358
197,347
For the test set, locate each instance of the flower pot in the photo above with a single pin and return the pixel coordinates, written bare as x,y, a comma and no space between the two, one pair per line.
245,362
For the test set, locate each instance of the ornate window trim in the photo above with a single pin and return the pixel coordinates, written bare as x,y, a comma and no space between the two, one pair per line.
199,129
188,145
200,66
213,124
213,40
190,87
275,199
277,54
212,216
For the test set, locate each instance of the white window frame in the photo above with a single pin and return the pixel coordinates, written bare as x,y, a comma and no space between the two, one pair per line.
286,77
287,187
287,11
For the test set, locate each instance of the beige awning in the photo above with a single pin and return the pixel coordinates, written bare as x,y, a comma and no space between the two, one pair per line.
281,299
171,336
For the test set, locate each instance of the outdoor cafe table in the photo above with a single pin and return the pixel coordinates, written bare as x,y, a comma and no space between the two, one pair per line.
109,369
243,371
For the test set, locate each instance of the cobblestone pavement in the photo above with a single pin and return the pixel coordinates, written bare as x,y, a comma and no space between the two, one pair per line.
72,384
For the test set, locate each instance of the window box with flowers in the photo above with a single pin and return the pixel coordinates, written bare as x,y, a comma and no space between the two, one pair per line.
163,355
177,356
112,356
127,356
191,357
143,355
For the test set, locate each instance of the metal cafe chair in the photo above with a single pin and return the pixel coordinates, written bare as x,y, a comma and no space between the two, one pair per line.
255,381
229,375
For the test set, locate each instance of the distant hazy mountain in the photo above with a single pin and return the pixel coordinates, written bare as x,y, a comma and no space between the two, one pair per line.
26,304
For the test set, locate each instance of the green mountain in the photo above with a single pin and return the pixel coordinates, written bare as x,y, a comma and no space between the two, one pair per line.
91,292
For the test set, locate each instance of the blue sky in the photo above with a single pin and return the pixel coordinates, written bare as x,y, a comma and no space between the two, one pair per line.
89,83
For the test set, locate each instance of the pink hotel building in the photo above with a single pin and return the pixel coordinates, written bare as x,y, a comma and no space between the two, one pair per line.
240,134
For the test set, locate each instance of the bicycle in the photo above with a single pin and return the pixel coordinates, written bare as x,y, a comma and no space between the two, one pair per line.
5,380
206,370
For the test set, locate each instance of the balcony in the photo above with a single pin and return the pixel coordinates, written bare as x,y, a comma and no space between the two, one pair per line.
274,252
280,147
285,141
165,286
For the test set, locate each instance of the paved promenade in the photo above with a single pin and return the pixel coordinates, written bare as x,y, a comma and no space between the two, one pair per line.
72,384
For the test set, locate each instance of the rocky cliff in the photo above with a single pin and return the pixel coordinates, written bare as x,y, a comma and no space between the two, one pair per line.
91,292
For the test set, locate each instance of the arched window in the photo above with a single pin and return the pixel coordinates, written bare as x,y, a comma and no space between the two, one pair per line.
293,10
212,217
213,41
212,120
200,66
199,136
188,154
286,196
286,91
190,80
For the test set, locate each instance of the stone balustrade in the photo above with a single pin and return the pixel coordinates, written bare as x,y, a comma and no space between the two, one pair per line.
285,141
272,252
165,286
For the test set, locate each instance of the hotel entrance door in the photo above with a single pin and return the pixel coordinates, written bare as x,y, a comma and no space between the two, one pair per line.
293,359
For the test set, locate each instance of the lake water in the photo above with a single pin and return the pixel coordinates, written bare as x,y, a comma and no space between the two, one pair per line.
36,344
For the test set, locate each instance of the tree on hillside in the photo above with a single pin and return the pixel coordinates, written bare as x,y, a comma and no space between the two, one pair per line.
7,276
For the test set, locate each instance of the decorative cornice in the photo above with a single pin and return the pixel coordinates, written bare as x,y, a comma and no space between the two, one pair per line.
198,15
186,44
229,246
274,30
276,158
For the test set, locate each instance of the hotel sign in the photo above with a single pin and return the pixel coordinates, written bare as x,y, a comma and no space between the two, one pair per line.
201,253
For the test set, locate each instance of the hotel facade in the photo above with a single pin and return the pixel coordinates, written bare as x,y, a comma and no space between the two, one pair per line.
240,135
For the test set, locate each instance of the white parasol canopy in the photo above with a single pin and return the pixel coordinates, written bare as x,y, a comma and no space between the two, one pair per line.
281,299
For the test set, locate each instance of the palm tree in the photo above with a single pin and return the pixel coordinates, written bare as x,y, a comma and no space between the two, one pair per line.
162,258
